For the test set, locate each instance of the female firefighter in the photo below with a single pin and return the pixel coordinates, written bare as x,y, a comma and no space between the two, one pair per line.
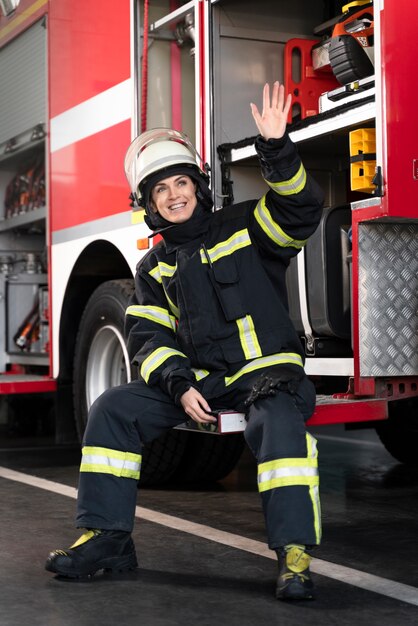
208,327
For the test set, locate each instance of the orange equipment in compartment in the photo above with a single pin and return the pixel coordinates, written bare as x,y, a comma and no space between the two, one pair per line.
310,83
363,159
351,50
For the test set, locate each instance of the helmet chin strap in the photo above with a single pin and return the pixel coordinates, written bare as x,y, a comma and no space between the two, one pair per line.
203,194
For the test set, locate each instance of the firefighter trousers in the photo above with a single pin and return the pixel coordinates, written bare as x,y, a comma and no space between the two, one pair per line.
124,418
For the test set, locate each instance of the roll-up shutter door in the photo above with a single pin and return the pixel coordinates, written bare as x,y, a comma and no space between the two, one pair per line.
23,83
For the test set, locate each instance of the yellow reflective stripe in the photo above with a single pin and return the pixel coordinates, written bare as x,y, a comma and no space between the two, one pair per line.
174,309
316,506
272,229
238,240
112,454
156,358
289,481
248,337
279,464
155,274
167,270
291,185
162,269
311,446
266,361
314,489
295,472
103,469
200,373
154,314
288,472
108,461
84,537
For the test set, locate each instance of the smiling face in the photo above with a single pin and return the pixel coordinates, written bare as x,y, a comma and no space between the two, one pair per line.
174,198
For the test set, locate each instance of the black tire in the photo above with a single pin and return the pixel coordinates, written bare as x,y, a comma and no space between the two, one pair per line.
399,433
349,61
101,361
209,458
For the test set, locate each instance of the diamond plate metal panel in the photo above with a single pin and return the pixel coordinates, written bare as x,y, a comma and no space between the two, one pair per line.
388,294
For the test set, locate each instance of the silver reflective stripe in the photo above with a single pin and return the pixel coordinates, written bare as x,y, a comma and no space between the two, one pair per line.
295,472
107,461
289,472
155,274
248,338
292,185
238,240
156,358
95,459
265,361
272,229
200,373
162,269
284,472
167,270
154,314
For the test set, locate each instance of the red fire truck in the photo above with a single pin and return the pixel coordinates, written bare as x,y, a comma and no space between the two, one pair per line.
80,79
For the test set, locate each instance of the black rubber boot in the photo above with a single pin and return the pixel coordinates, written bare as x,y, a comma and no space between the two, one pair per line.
294,581
93,551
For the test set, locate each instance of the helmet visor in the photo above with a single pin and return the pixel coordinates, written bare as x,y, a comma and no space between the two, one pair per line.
156,149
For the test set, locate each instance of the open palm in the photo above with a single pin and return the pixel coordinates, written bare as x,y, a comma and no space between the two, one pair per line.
271,122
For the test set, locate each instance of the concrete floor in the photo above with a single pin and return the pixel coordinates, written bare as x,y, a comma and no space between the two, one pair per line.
370,519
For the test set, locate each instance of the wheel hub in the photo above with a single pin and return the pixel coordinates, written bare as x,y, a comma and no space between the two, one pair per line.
107,363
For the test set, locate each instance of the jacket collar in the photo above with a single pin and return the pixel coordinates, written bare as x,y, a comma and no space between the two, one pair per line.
176,235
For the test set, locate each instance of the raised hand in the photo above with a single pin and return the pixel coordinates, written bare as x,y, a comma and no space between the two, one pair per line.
271,123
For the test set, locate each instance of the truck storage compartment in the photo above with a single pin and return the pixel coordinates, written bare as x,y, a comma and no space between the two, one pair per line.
23,204
293,296
327,274
22,94
27,318
324,295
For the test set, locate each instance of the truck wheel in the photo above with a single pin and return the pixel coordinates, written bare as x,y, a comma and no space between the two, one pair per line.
101,361
209,457
399,433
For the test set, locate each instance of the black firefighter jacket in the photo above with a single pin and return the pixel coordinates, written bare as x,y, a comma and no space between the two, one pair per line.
212,308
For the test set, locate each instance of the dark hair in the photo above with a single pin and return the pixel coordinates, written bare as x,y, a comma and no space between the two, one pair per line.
203,194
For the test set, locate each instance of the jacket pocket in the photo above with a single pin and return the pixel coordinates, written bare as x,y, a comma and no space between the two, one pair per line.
225,280
232,351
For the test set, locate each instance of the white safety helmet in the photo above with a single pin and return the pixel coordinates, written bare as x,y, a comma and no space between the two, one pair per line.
156,150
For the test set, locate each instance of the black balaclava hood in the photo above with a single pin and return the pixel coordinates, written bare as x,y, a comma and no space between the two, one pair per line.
153,220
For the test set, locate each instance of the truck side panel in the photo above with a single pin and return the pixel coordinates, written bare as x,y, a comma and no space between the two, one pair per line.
398,32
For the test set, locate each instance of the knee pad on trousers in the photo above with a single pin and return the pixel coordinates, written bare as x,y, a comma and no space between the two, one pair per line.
276,428
109,421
